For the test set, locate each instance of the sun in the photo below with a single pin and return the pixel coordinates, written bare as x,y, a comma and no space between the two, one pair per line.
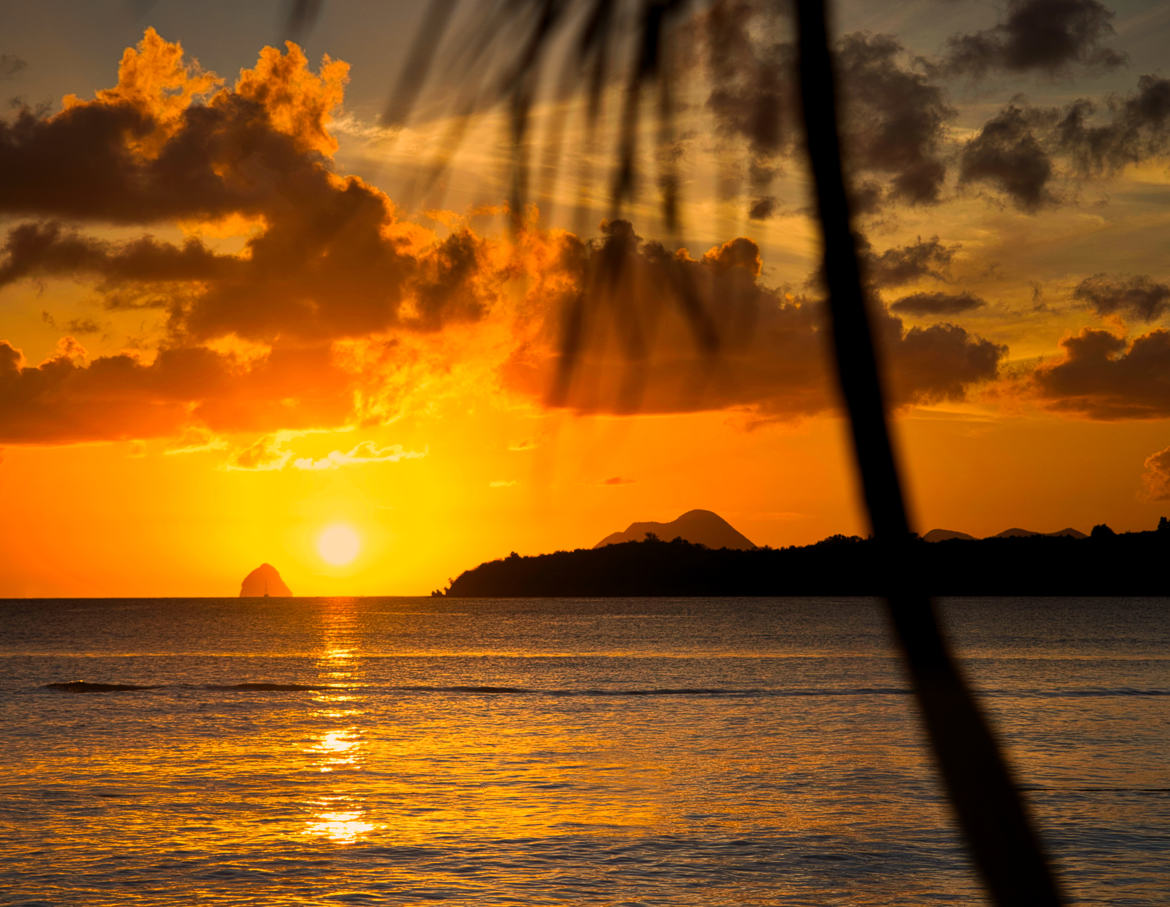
338,544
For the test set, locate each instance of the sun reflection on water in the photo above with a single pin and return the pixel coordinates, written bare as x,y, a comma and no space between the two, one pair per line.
335,821
340,817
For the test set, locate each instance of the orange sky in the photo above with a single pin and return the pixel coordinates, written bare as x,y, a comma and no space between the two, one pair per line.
230,318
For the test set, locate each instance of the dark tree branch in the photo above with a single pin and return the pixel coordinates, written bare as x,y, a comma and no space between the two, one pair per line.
978,782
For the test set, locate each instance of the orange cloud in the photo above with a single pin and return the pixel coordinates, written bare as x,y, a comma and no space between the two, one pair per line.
1156,476
330,283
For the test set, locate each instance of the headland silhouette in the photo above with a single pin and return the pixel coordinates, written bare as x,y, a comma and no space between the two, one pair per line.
1103,563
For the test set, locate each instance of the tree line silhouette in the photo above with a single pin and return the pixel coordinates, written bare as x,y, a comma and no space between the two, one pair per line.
1104,564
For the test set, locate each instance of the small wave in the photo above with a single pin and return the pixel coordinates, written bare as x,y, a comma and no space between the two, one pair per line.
84,686
649,691
264,687
1090,693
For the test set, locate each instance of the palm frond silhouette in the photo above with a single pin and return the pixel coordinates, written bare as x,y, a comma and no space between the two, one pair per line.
519,36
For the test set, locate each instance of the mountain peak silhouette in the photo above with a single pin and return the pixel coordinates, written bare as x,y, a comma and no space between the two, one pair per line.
700,527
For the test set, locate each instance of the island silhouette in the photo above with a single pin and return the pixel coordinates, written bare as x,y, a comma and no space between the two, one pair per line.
264,582
1016,562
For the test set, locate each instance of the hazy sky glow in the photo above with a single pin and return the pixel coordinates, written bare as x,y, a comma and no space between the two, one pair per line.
234,313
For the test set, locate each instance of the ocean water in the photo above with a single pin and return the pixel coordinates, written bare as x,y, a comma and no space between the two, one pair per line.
629,751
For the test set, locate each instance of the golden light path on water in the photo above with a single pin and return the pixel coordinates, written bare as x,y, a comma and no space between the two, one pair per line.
340,817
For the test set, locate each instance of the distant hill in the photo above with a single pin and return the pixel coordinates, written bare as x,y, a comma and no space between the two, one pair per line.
264,581
1130,563
943,535
1016,533
699,527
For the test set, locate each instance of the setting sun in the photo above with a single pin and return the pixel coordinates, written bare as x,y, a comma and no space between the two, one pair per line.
339,545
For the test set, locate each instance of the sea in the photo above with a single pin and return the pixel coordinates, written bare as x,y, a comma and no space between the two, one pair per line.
714,751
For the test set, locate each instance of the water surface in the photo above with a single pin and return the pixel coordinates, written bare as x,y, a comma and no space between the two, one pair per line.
629,751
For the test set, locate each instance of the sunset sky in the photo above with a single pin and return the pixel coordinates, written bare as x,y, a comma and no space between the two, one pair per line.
237,310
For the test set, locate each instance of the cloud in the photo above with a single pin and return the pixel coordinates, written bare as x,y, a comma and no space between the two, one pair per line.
1139,297
65,399
330,258
638,350
73,325
333,306
894,117
10,65
1023,150
616,480
1134,128
365,452
936,304
906,264
1103,376
48,250
1156,476
265,454
1008,155
1044,35
893,114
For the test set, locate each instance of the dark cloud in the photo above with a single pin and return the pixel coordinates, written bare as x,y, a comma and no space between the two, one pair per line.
1139,296
73,325
1023,150
905,264
1046,35
639,352
65,399
10,65
936,304
894,117
751,74
1156,476
47,249
1132,129
1105,377
762,208
1008,155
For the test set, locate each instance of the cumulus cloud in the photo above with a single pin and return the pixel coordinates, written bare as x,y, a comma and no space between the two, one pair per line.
751,96
893,113
1023,150
638,351
894,117
936,304
169,142
1156,476
1129,130
1104,376
67,399
1045,35
1139,297
1008,155
320,317
905,264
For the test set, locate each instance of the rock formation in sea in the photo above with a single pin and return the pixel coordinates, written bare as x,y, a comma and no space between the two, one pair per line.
264,581
699,527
